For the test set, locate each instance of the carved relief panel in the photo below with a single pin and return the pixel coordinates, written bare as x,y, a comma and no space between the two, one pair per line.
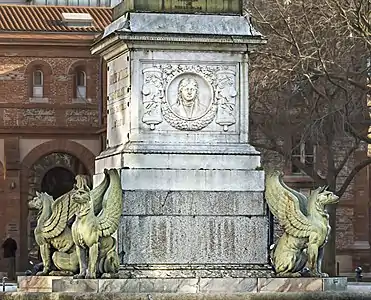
189,97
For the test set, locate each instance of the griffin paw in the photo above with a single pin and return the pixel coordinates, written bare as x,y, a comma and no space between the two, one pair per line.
61,273
318,274
42,273
90,276
79,276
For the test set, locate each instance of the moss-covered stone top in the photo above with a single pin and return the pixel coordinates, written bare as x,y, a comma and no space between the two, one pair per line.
231,7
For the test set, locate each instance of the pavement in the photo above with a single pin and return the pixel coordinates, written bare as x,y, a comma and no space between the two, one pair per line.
361,287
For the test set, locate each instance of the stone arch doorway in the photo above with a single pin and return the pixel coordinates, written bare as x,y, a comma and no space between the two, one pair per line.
54,174
33,171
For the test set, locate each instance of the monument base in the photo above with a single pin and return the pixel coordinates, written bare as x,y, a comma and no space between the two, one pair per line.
196,271
200,285
37,283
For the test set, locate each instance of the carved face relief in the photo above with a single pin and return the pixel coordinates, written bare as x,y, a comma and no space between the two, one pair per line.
188,89
189,96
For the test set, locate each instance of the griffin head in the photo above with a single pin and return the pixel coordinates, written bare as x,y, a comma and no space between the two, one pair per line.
325,197
38,200
81,196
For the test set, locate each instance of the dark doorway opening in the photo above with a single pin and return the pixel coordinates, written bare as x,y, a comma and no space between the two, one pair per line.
57,182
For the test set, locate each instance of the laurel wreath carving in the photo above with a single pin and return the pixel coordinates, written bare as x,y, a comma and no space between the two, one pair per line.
190,125
205,72
168,73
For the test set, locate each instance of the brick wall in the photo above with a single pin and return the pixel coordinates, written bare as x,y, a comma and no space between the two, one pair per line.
59,106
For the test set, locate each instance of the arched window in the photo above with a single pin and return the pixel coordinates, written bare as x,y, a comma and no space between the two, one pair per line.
80,84
38,84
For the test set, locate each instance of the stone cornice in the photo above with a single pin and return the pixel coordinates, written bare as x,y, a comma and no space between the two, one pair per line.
217,149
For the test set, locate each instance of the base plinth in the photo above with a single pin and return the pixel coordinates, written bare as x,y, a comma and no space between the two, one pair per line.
37,283
196,271
200,285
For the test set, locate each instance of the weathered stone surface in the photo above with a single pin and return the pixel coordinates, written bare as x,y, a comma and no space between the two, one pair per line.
188,203
149,286
196,271
193,239
192,180
173,296
208,6
191,161
177,156
301,284
73,285
358,287
119,96
37,283
198,285
184,24
227,285
335,283
289,284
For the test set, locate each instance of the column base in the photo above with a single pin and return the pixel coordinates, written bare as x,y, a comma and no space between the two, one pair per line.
194,271
199,285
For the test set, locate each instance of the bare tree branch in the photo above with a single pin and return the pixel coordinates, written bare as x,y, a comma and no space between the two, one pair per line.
351,175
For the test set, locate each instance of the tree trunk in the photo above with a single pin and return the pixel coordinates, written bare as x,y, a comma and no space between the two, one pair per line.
329,262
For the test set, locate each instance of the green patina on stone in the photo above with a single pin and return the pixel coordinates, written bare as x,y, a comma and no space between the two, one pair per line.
228,7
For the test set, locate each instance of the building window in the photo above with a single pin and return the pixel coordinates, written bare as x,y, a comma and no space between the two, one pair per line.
38,84
80,85
305,152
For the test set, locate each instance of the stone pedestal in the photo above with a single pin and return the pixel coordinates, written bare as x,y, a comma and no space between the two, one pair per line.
200,285
37,283
177,109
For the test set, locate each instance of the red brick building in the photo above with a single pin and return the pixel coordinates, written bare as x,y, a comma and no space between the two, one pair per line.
51,96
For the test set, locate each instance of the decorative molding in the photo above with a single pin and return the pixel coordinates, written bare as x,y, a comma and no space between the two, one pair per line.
192,271
220,149
226,96
153,94
38,100
210,87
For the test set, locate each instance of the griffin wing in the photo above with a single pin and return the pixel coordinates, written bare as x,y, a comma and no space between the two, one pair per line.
97,194
109,217
285,204
302,198
63,209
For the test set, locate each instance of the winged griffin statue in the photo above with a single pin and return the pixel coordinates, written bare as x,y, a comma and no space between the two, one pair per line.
94,215
305,224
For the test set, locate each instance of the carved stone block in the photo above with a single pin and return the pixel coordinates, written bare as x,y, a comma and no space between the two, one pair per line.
204,285
301,284
37,283
75,286
189,97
